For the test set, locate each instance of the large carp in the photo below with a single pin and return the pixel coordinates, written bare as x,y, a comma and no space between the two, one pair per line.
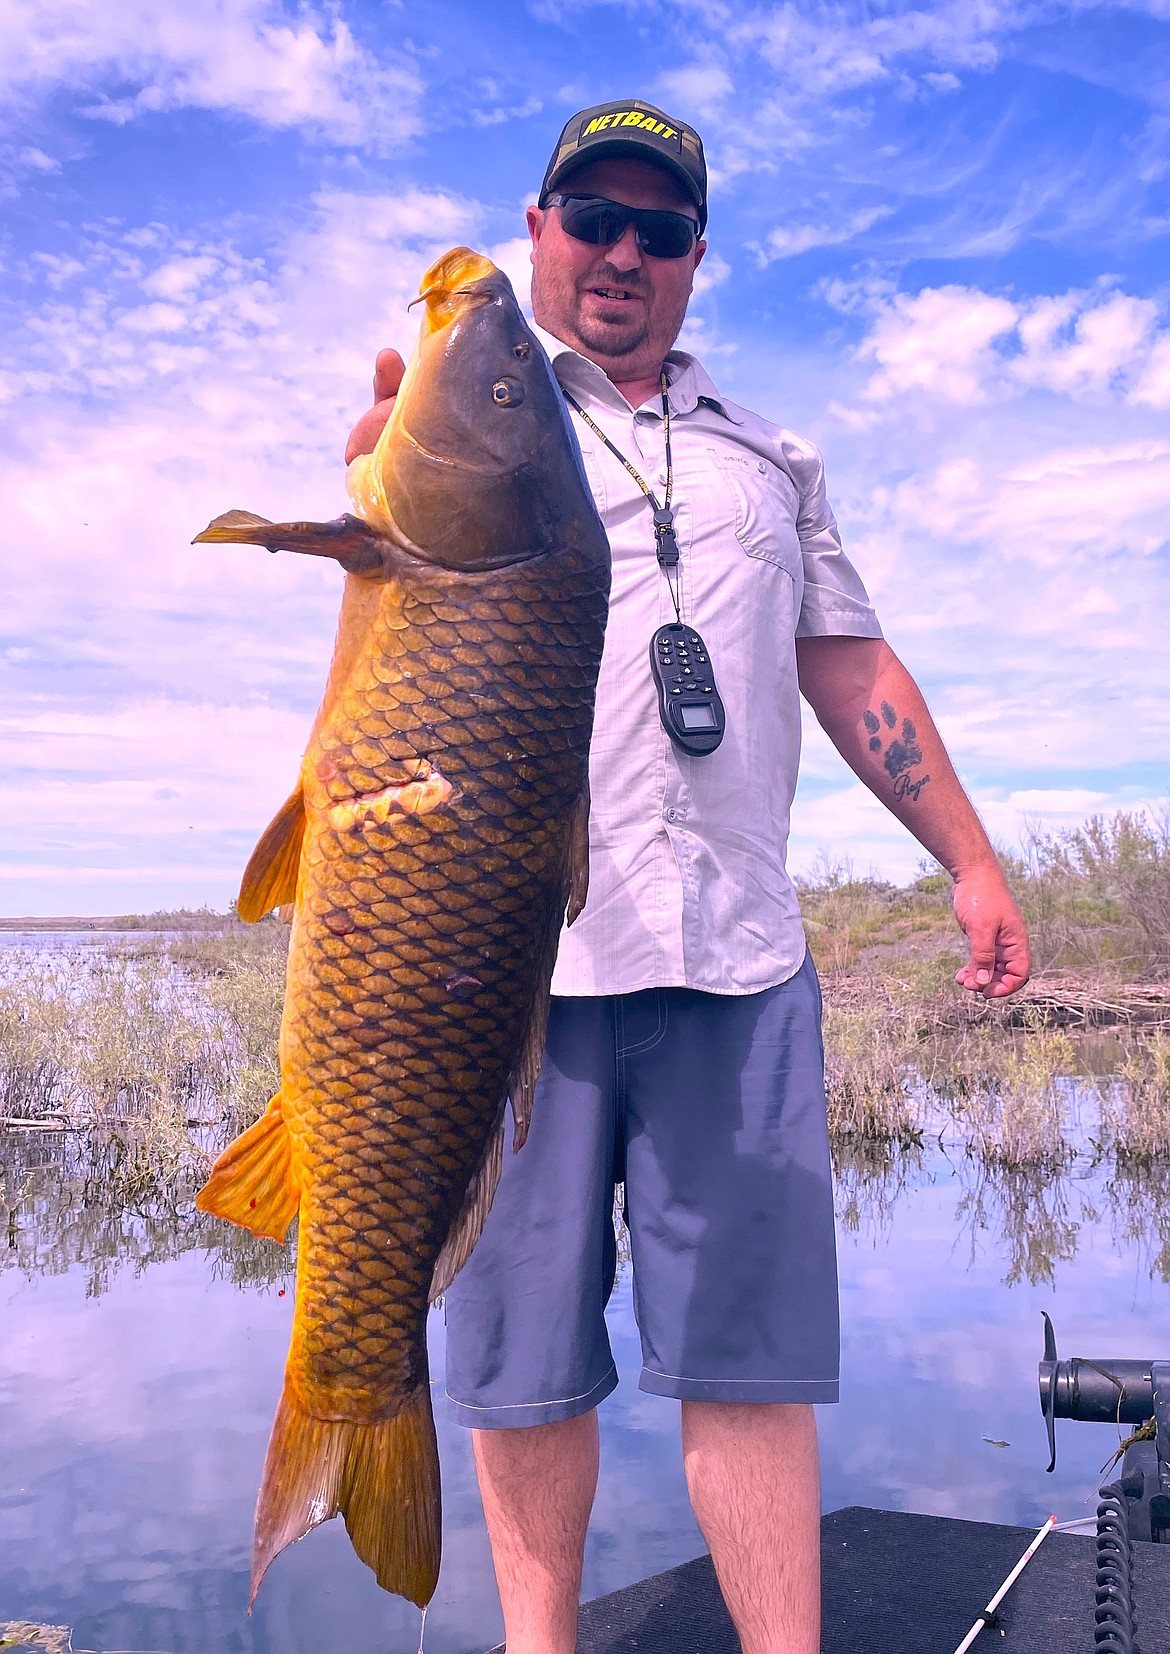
436,837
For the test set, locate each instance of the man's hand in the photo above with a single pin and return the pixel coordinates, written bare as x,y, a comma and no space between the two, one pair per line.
997,937
873,712
388,370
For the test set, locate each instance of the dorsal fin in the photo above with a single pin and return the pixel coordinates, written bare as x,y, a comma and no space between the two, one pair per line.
270,878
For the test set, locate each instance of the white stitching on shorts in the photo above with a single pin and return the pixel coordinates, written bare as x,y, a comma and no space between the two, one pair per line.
658,1034
689,1378
518,1406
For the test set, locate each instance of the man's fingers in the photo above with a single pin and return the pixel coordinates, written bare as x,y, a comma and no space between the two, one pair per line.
364,436
388,370
999,967
981,965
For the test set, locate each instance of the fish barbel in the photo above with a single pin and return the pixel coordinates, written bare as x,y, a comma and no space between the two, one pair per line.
438,833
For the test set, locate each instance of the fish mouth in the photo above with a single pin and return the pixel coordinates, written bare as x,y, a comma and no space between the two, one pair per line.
457,279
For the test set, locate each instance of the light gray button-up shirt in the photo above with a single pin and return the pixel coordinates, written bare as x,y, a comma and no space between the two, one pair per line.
687,882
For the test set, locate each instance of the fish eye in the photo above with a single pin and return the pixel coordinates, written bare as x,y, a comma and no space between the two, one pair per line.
523,350
507,393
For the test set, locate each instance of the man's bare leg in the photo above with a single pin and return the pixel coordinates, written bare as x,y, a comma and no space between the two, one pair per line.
754,1480
537,1487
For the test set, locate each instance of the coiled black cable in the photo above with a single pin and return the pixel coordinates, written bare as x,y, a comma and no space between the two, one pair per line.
1115,1628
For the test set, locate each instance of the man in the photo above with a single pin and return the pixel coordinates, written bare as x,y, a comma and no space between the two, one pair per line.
684,1052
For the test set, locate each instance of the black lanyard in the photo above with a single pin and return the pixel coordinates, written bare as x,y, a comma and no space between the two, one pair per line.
665,543
689,705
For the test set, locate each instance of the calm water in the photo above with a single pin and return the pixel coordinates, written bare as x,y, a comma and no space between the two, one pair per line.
141,1357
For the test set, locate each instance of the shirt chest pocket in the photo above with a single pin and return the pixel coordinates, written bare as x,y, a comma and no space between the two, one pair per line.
764,503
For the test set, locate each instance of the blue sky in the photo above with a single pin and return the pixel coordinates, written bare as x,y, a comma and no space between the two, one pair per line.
939,246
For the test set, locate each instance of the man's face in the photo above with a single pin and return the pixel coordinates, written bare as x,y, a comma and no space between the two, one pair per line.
616,305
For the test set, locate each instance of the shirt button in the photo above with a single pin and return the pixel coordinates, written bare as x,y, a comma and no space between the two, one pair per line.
761,468
671,815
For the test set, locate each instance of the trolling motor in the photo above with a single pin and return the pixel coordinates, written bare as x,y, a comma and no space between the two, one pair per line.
1117,1392
1136,1505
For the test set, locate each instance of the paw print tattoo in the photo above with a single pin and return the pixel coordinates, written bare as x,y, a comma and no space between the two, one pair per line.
902,753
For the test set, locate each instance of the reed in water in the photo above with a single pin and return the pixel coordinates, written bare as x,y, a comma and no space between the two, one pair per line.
172,1033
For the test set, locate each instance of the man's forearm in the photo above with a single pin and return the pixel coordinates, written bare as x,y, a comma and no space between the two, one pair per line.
874,714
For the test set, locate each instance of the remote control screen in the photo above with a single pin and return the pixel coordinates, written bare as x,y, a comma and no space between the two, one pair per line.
698,717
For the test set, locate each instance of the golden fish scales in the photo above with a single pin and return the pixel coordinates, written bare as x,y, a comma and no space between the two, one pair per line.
437,834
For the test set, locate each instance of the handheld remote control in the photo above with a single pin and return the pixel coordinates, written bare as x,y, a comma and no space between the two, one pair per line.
688,701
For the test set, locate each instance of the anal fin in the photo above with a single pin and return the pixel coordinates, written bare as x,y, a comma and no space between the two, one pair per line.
477,1203
522,1080
270,878
254,1182
578,857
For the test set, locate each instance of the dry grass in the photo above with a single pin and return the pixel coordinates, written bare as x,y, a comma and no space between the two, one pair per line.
175,1037
1097,897
162,1038
1135,1111
870,1074
1015,1109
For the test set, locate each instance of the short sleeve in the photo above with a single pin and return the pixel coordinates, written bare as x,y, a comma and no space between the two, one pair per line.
835,603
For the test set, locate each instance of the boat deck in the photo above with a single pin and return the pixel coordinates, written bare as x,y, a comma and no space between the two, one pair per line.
899,1584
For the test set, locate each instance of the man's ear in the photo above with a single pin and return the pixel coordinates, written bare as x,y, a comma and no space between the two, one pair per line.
700,249
535,220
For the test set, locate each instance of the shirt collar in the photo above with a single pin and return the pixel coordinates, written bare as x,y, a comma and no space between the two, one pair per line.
690,384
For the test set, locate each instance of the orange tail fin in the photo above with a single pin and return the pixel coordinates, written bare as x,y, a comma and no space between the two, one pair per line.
382,1478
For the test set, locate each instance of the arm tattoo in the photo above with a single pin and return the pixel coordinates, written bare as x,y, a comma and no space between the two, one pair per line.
901,755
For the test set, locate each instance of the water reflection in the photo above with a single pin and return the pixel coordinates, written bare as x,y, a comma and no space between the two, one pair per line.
1036,1220
870,1179
139,1367
99,1203
1138,1201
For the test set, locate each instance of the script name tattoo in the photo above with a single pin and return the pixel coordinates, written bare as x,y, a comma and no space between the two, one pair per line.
902,753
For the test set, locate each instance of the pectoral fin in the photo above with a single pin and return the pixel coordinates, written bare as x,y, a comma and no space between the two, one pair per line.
270,878
254,1182
353,543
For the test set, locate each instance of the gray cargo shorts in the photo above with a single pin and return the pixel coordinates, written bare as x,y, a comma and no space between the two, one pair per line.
710,1109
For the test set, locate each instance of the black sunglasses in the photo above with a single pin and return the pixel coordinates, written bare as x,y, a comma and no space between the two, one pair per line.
600,222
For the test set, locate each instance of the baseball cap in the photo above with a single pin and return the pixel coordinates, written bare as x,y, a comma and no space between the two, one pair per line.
630,127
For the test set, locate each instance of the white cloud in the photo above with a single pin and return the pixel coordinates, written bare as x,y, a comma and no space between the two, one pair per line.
1153,386
937,343
507,112
37,160
1076,347
787,240
251,58
712,273
133,419
827,50
700,88
963,346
